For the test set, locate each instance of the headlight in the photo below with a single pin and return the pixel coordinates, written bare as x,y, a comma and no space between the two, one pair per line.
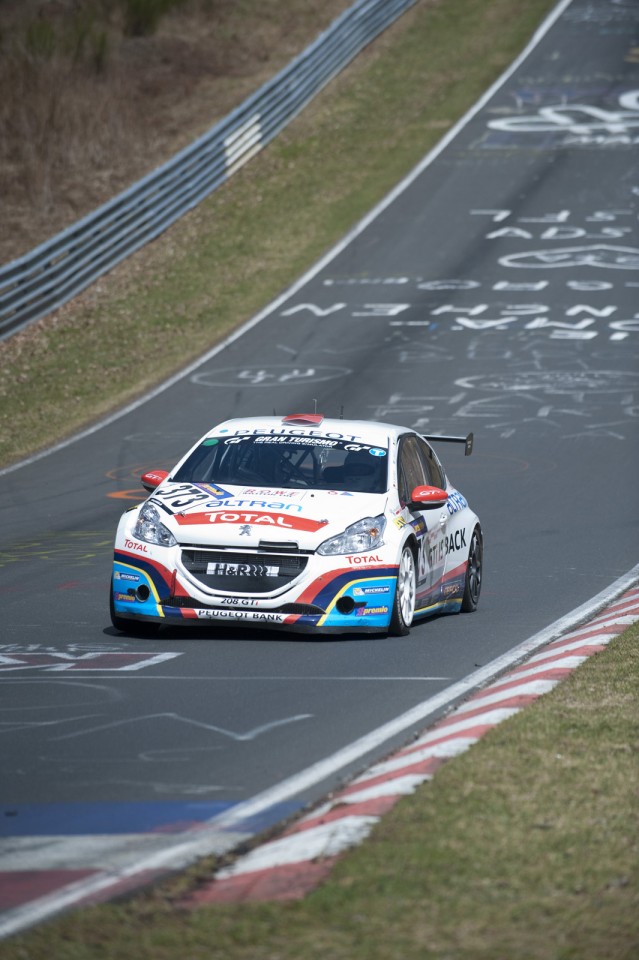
358,538
151,529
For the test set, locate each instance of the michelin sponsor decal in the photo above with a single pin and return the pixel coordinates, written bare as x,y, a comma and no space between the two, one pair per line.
117,575
365,591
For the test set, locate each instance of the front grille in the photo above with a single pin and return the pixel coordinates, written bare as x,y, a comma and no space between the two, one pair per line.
234,572
301,609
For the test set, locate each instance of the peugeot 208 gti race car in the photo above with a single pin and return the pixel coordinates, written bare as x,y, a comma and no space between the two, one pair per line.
301,523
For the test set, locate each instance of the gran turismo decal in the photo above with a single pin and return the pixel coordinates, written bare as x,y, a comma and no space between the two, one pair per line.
292,441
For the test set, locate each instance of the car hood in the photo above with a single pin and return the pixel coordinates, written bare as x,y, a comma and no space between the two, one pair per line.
245,517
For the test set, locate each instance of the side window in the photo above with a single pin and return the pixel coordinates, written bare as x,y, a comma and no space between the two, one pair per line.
411,468
433,467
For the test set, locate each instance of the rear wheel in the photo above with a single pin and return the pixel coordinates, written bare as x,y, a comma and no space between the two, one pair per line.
472,584
405,592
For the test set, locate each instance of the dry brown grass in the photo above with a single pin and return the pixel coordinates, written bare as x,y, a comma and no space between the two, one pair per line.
86,109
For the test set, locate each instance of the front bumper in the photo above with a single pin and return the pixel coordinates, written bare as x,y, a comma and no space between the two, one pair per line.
311,593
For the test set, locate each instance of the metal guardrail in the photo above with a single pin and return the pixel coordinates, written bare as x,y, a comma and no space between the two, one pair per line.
54,272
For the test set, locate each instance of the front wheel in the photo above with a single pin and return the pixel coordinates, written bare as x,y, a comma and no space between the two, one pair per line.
405,593
472,584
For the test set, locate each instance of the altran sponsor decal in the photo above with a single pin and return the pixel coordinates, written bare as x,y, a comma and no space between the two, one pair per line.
253,517
235,502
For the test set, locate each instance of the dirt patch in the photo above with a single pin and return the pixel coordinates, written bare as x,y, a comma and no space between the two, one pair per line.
87,108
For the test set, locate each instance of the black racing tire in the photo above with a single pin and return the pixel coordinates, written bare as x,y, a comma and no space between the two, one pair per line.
472,583
134,628
405,594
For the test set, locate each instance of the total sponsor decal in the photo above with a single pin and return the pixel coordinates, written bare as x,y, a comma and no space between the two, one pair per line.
358,560
136,547
246,517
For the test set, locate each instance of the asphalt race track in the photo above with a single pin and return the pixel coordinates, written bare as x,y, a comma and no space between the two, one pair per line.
498,292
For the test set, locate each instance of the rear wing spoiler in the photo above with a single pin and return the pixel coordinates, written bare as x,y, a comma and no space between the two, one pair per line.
467,441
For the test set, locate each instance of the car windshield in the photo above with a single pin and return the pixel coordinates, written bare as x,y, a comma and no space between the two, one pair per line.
279,460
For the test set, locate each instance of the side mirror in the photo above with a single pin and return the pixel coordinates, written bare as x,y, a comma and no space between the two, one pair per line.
153,479
425,497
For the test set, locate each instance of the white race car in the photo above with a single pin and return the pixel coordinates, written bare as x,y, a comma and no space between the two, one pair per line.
299,523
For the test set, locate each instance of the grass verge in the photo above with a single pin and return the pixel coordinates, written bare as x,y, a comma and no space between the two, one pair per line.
524,848
252,238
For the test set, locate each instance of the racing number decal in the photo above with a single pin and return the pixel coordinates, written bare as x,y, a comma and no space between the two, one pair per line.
422,562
